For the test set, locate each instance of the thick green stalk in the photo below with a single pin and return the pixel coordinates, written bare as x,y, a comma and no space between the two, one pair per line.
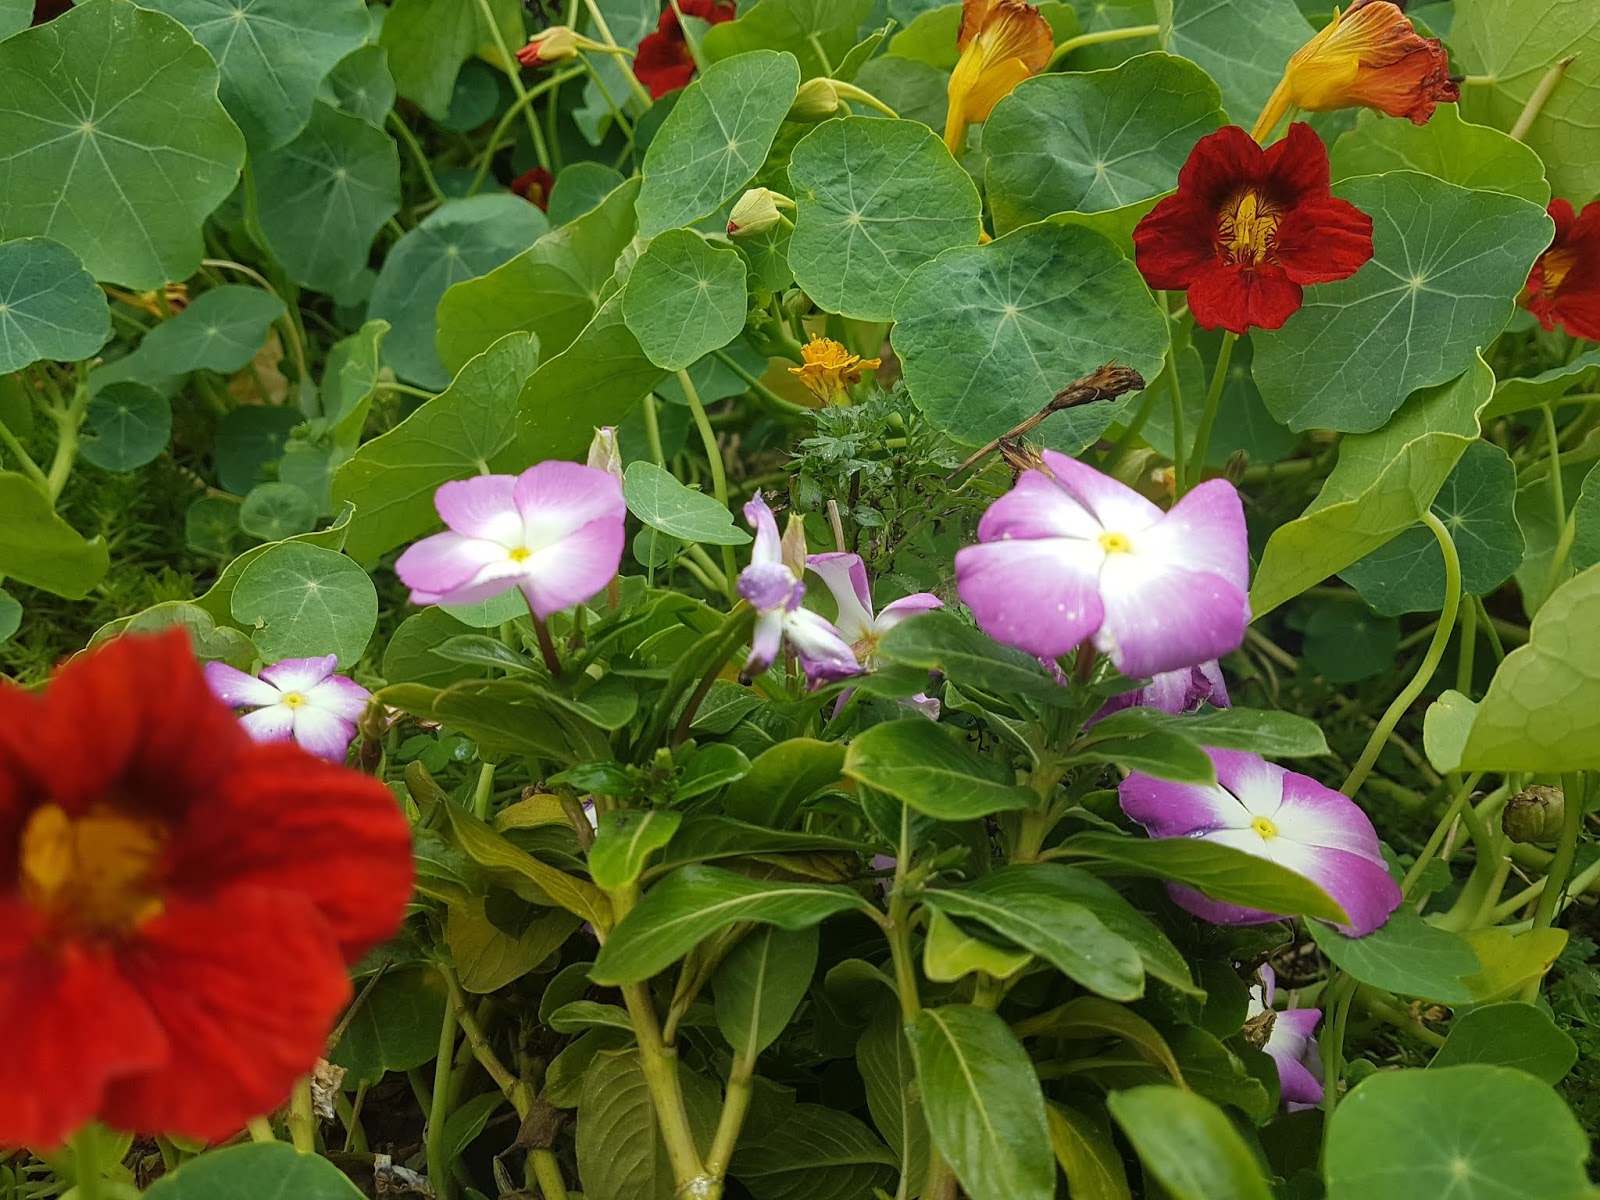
441,1173
1096,39
1208,415
719,478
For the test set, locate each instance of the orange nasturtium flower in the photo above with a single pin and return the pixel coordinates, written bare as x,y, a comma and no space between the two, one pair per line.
1002,42
1369,56
830,369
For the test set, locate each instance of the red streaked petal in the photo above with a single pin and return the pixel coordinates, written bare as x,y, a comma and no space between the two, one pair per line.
1175,241
1221,164
1322,240
1296,167
1235,298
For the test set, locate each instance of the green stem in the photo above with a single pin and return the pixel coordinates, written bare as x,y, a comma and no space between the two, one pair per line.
548,1174
652,431
735,1105
1536,101
604,31
417,155
1440,831
784,407
898,928
1430,660
296,343
24,459
302,1119
1208,415
88,1182
719,478
69,420
513,71
1466,649
660,1065
525,97
1558,499
1555,878
440,1171
547,647
483,793
1096,39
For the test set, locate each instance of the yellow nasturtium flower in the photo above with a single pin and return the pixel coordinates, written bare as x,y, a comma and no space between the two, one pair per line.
1002,42
829,369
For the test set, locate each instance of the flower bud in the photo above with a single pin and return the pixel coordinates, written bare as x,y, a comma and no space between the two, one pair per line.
1233,470
817,100
757,211
557,44
604,454
1534,814
794,544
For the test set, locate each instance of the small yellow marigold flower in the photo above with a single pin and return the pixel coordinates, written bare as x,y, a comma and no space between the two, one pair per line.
829,369
1002,42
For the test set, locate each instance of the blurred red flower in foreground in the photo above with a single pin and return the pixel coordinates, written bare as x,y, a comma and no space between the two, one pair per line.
1564,286
534,187
177,903
664,63
1247,227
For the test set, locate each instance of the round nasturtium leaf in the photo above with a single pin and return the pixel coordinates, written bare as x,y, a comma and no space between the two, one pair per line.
273,55
1446,268
248,439
1469,1132
254,1170
220,331
50,307
1473,156
1242,46
274,511
987,335
15,16
1346,641
129,424
684,298
113,103
211,525
361,85
322,198
459,240
1089,142
302,601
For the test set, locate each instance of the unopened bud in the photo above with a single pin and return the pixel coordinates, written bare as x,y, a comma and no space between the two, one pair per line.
794,544
817,100
757,211
604,455
559,43
1535,814
1233,470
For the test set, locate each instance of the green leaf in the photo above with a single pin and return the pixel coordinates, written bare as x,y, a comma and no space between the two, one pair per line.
620,1152
1020,905
989,334
1469,1132
1088,1156
883,1056
626,840
273,55
1405,954
360,84
874,200
488,958
705,837
395,1027
921,764
412,653
1189,1144
709,769
10,616
551,289
1445,727
1243,49
1512,67
350,378
950,954
715,138
1509,1035
684,298
253,1171
1382,485
50,307
760,984
577,1015
15,16
816,1153
303,601
983,1104
459,433
657,498
504,717
218,598
581,188
461,239
781,778
1539,713
1412,317
915,90
117,104
1267,732
220,331
129,423
578,896
695,902
940,641
212,525
467,1122
1089,1018
1447,147
1476,505
274,511
41,550
1516,395
322,198
818,33
1221,872
428,40
1585,550
1163,753
1095,141
249,438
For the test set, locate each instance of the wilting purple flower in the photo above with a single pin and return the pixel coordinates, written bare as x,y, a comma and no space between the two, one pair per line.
1175,692
1291,819
1290,1042
555,531
775,592
1073,555
298,698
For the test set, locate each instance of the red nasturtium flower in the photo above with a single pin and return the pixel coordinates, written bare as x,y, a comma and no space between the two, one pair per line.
1247,227
663,63
534,187
1368,57
1002,42
177,903
1564,286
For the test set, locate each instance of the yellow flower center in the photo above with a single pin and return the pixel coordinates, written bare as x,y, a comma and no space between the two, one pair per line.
1556,265
520,555
1265,828
294,700
1115,543
96,872
1248,228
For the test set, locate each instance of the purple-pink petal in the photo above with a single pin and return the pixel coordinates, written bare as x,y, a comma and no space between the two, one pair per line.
323,733
275,723
1205,532
765,641
1319,816
1114,505
1041,596
907,606
1037,508
1162,618
767,586
481,507
342,697
1218,912
1363,888
299,674
1175,692
824,655
768,546
1168,809
440,565
238,690
559,500
573,569
846,577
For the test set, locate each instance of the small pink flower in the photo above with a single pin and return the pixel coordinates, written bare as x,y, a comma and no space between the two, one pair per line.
555,532
298,699
1291,1043
1290,819
1074,555
846,577
775,592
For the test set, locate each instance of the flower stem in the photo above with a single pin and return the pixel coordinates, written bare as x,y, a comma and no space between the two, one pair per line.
523,100
417,154
604,31
1436,838
1536,101
735,1104
302,1120
296,345
1208,415
513,71
1430,660
719,478
440,1173
24,459
787,408
546,646
1096,39
88,1182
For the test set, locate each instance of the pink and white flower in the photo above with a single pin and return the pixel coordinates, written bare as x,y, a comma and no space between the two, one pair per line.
775,591
1176,692
1074,555
555,532
298,699
846,577
1290,819
1290,1042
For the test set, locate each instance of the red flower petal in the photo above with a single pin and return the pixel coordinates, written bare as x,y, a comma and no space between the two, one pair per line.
1296,167
663,63
1175,241
1320,241
1563,289
1235,297
1220,164
248,983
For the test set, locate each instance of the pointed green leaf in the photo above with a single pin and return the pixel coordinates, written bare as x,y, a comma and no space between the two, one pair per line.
49,305
626,840
760,984
883,1056
620,1152
39,548
1189,1144
816,1153
924,765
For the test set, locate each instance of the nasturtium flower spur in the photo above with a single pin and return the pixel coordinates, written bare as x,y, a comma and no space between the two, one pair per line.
1288,818
774,590
1564,287
1248,227
298,699
1369,56
178,903
828,370
555,531
1074,555
1288,1036
664,62
1002,42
